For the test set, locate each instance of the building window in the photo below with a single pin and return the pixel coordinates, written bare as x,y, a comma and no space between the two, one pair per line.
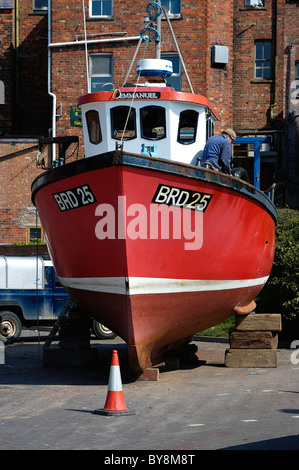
175,79
254,3
262,69
101,68
40,5
93,126
153,122
6,4
187,126
101,8
173,7
35,234
2,92
297,79
123,123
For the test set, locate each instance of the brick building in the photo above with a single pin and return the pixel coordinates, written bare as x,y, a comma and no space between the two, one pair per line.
242,54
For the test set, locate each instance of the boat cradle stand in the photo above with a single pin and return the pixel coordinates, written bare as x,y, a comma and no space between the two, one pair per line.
74,348
183,356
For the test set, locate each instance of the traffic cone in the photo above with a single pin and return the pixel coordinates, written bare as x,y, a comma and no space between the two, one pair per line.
115,403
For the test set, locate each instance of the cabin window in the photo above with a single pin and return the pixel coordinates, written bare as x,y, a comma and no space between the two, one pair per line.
153,122
123,123
93,126
187,126
209,128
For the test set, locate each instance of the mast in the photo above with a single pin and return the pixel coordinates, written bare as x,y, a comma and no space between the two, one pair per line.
158,41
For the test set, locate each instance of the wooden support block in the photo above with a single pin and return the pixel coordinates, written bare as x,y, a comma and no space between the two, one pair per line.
253,340
251,358
150,374
258,322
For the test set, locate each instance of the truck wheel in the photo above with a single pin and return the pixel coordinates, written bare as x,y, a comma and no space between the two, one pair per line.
10,327
101,331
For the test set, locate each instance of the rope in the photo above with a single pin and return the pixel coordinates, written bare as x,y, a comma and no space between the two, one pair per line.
133,98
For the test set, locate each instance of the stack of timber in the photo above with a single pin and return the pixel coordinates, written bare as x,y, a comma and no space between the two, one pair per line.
254,341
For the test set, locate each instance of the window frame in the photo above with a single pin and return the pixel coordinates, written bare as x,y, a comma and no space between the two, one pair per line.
109,76
175,76
43,9
131,110
179,138
297,78
36,239
262,60
143,136
6,5
169,8
100,16
96,129
256,5
210,128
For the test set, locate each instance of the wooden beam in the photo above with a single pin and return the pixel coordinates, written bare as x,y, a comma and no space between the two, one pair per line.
251,358
253,340
258,322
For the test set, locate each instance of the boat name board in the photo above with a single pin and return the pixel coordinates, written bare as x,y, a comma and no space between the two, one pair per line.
141,95
74,198
179,197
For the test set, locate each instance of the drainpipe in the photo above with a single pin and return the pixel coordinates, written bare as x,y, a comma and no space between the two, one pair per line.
93,41
16,57
273,105
53,130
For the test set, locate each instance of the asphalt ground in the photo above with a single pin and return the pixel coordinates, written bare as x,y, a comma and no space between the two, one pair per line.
204,405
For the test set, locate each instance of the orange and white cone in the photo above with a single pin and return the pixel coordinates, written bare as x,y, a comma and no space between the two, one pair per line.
115,403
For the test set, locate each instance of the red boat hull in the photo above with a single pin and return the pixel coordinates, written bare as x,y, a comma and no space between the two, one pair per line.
155,289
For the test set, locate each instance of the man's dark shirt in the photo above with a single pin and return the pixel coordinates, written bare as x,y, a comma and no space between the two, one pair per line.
217,151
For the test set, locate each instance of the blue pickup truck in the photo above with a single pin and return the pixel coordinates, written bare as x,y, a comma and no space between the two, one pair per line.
30,296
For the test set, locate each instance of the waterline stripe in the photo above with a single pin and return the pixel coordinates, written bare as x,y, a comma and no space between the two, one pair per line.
147,285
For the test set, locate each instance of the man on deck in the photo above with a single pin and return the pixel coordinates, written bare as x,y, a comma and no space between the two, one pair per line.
218,150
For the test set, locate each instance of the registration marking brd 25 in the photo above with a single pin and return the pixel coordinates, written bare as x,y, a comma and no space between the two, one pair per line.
74,197
181,197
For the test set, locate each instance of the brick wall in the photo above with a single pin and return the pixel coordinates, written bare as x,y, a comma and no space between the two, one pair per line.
252,97
23,67
196,32
29,250
7,71
17,212
33,103
219,31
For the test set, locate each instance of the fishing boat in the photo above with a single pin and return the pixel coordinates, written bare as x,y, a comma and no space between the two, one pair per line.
144,239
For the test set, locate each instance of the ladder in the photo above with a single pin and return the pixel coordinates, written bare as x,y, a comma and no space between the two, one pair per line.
67,307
